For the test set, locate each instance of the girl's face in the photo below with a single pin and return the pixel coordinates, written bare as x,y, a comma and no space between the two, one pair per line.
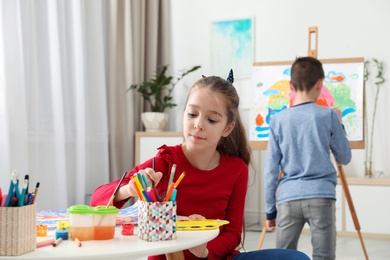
205,119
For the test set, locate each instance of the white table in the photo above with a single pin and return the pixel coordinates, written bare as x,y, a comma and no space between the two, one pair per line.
121,247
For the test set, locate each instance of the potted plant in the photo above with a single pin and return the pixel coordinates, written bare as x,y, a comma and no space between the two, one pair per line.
157,92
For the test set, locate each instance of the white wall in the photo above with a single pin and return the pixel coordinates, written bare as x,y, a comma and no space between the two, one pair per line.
346,29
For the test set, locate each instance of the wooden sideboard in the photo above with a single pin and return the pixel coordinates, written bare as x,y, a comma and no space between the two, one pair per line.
146,143
370,198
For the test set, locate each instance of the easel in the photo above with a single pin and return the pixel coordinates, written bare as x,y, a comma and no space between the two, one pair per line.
313,53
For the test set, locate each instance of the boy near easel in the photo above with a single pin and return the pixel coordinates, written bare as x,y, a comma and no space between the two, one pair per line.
300,141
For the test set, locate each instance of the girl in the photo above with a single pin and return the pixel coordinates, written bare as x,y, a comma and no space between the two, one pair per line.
215,156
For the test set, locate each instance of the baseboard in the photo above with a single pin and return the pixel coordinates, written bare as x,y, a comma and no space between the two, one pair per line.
253,221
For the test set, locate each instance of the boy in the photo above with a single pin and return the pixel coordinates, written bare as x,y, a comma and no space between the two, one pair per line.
300,140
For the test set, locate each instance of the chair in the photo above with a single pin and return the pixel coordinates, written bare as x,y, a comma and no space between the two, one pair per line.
264,254
272,254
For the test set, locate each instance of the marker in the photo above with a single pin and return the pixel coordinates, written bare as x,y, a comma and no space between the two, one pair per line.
30,198
145,181
11,188
26,177
158,198
139,185
14,202
4,199
147,199
137,190
35,193
173,197
57,242
139,177
45,243
78,242
23,194
151,194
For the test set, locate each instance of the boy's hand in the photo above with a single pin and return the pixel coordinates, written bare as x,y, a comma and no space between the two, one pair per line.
271,225
338,111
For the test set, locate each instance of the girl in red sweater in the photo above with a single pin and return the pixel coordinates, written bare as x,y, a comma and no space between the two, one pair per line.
215,156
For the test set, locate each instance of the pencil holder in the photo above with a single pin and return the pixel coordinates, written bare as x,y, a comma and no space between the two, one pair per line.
157,220
17,230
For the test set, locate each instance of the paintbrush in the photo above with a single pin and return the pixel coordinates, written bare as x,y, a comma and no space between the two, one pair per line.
116,190
158,198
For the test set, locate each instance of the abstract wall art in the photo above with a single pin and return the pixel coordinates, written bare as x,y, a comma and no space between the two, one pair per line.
232,47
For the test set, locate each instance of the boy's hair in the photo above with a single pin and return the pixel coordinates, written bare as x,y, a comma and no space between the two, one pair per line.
305,72
236,143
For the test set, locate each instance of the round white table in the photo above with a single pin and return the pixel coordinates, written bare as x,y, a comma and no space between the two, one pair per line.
120,247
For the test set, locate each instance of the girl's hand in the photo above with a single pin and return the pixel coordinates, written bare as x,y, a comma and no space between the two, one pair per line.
196,217
129,190
199,251
151,176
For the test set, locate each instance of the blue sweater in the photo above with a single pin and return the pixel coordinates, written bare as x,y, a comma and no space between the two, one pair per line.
300,141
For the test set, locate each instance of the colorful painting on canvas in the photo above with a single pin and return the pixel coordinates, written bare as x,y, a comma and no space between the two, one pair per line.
343,89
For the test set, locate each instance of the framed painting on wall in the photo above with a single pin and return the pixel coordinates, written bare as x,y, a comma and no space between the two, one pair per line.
343,89
232,47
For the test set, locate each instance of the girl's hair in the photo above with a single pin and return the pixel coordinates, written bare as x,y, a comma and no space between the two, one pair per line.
236,143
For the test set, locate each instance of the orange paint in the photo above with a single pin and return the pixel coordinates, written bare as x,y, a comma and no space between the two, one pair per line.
259,120
321,102
104,232
337,78
82,233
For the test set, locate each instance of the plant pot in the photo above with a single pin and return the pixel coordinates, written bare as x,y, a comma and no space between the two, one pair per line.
154,121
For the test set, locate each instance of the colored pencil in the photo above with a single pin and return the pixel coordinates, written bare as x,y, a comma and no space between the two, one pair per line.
45,243
180,178
35,193
172,175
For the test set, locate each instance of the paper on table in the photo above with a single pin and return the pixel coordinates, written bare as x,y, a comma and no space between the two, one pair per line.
51,217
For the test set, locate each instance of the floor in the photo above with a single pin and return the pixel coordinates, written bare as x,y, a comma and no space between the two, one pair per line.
348,248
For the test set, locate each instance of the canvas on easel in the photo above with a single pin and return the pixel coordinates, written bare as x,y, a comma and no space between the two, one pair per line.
343,89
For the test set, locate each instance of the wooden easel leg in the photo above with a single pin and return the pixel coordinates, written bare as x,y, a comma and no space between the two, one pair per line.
262,235
351,206
264,229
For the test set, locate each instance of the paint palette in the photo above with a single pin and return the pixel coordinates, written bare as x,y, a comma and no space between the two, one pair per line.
205,224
